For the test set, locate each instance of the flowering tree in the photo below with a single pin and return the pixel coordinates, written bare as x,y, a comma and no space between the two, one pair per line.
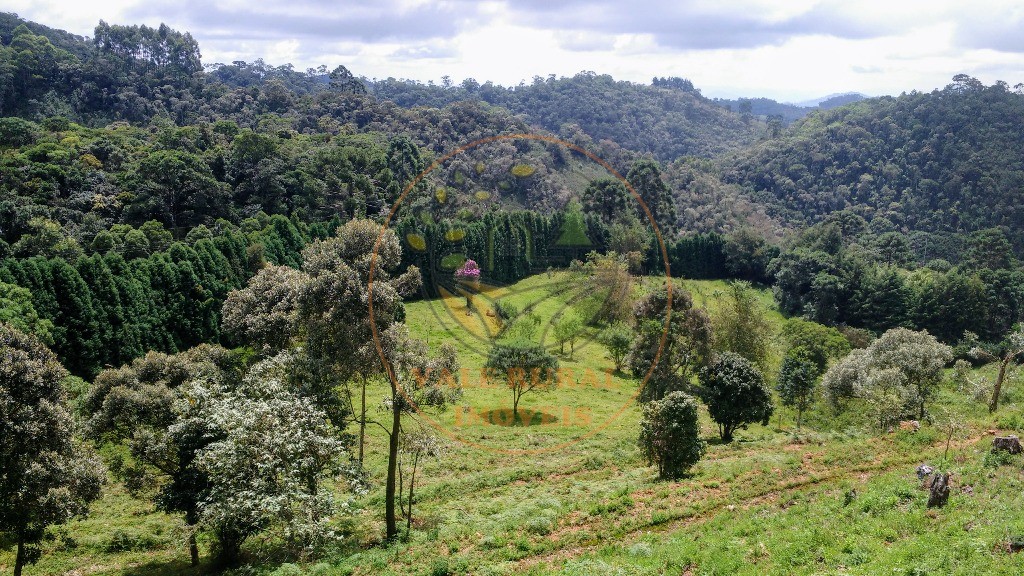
469,274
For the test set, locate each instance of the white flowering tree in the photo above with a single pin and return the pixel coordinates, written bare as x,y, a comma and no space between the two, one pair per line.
897,375
267,467
265,313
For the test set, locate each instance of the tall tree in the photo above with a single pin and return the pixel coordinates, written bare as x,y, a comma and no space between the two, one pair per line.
419,382
178,189
741,324
645,177
609,199
48,478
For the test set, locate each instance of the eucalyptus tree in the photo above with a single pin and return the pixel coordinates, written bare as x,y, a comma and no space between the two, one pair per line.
419,381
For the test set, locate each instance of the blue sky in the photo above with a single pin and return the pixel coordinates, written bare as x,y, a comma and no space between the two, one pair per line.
792,50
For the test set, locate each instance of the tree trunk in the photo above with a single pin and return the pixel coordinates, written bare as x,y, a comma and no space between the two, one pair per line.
799,416
993,405
19,559
939,493
389,492
412,485
515,407
193,549
362,422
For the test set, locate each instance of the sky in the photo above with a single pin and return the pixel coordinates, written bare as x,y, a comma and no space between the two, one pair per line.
789,50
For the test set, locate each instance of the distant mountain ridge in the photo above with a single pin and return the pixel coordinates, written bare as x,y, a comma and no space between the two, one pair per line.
832,100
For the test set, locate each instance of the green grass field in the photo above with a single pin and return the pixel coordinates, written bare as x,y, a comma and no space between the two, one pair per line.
570,493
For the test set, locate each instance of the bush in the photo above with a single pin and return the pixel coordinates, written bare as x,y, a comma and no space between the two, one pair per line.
735,393
124,541
670,435
439,567
287,570
998,458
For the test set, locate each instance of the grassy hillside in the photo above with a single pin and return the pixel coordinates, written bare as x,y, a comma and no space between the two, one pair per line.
829,499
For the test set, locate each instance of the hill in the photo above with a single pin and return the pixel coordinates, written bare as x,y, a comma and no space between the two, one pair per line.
832,100
668,118
945,161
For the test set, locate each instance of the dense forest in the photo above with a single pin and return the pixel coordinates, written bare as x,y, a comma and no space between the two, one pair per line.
190,251
122,151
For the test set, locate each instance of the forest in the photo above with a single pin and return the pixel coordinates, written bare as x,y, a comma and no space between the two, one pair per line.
259,320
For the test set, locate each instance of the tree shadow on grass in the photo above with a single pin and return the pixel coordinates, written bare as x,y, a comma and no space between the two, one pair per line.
168,568
526,417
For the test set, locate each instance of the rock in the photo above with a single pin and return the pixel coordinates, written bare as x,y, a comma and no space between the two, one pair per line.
924,470
910,425
1009,444
939,491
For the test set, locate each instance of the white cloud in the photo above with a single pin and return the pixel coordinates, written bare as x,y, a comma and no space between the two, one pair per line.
791,50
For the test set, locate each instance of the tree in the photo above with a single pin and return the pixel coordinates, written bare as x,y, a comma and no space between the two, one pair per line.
818,342
335,314
17,312
918,356
178,189
416,446
735,393
618,338
990,248
342,80
523,367
48,478
1006,354
670,435
645,177
567,329
897,375
47,238
608,199
147,406
273,451
666,353
418,381
469,275
265,314
630,238
880,300
747,255
798,376
741,324
609,292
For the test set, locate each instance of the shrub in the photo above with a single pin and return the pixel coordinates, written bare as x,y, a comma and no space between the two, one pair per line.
670,434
